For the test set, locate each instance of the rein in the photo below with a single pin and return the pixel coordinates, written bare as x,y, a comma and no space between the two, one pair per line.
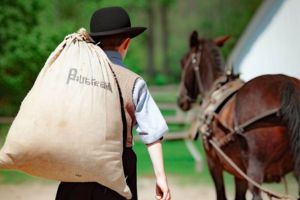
270,193
194,61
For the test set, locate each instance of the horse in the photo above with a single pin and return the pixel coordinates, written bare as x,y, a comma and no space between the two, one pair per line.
257,126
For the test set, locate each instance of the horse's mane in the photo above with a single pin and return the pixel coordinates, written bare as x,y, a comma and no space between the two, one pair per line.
213,55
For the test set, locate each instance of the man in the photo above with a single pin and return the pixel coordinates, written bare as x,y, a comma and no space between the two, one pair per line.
111,29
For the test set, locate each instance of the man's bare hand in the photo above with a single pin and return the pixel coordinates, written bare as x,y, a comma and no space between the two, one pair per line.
162,189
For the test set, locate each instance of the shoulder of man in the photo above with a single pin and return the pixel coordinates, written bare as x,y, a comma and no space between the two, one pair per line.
126,78
124,73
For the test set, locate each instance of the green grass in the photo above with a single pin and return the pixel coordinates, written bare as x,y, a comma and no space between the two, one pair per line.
165,96
178,161
178,164
168,112
16,177
176,157
177,127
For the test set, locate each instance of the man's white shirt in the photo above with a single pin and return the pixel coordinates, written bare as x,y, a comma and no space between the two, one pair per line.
150,124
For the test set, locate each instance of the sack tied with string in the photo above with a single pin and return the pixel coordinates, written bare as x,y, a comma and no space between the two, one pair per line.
69,126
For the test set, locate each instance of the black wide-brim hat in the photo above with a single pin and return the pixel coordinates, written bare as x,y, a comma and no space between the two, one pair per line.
112,21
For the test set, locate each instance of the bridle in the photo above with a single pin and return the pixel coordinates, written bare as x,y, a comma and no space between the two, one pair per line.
194,61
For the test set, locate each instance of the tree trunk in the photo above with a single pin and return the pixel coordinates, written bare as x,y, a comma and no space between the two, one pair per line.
150,40
165,38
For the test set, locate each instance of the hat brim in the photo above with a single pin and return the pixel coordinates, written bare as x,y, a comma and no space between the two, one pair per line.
130,31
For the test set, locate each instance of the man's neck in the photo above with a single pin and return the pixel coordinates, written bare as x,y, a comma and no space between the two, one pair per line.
115,57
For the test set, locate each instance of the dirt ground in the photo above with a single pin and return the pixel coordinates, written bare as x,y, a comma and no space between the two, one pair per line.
38,191
179,191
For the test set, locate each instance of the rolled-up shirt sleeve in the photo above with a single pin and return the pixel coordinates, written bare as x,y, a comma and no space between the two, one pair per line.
150,124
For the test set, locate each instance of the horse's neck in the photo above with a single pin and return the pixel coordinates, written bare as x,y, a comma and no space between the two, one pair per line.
211,66
209,79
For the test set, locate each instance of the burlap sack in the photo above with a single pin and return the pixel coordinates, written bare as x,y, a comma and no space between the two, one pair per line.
69,126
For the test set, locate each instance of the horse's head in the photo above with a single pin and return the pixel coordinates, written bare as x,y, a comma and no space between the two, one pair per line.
201,66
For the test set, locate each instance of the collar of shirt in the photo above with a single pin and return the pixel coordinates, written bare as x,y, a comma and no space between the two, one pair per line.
115,57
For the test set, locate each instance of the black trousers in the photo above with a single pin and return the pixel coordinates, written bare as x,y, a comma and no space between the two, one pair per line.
95,191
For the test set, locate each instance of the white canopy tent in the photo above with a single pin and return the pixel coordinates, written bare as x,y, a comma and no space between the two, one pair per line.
271,43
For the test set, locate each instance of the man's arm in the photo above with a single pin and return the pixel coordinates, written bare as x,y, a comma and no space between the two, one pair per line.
151,126
156,155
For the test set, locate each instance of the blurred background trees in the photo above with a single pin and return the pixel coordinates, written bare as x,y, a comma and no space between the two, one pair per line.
31,29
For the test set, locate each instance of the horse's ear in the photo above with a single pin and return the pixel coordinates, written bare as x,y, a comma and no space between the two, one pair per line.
221,40
194,39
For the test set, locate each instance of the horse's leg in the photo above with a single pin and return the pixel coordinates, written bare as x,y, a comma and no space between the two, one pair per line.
241,187
255,172
216,172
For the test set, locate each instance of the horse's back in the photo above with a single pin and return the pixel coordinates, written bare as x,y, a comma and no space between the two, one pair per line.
260,96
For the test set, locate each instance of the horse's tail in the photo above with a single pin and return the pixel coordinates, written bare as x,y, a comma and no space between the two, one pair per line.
290,110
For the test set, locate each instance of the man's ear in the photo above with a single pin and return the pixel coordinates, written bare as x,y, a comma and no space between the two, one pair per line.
221,40
194,39
126,43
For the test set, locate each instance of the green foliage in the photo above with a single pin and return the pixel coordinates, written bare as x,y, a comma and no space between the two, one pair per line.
32,29
160,79
3,132
17,60
211,19
167,2
228,17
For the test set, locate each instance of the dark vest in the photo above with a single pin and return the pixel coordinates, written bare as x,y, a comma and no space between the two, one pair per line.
127,79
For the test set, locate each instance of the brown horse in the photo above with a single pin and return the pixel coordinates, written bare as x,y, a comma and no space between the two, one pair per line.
258,127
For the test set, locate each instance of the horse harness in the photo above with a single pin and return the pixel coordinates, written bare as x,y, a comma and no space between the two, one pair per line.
195,60
223,89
